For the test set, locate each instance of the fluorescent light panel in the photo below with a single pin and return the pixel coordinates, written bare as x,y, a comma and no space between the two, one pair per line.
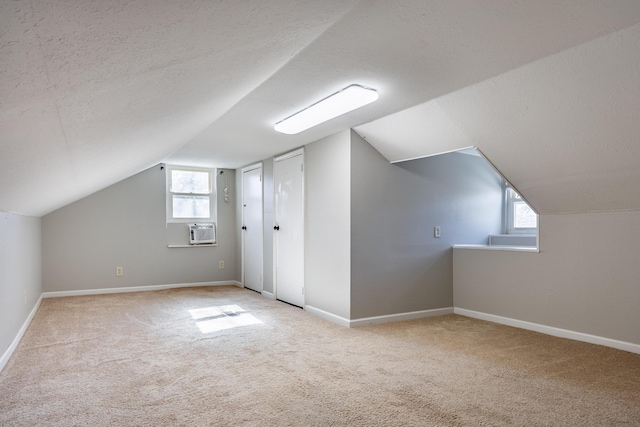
341,102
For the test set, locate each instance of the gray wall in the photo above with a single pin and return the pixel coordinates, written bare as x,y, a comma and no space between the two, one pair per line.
397,264
20,273
125,225
328,224
585,279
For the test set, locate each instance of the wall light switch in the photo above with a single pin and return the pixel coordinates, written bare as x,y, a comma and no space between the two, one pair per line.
436,231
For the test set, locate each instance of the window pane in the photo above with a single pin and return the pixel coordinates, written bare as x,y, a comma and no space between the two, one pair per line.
524,216
183,181
191,207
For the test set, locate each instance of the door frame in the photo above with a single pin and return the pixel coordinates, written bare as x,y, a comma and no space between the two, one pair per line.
285,156
242,249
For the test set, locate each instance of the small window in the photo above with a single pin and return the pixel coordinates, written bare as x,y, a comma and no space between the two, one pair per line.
190,194
520,217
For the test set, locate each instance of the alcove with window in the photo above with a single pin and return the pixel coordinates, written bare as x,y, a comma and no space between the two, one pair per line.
520,221
519,224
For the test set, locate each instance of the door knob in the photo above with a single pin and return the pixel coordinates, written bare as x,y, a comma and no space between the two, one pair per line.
277,227
244,227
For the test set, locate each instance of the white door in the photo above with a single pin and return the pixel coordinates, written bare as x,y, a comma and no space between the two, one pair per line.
288,234
252,228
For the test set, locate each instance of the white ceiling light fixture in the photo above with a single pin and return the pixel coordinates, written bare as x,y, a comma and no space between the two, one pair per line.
341,102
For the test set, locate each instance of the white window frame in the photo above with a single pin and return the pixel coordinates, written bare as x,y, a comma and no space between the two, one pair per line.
511,198
211,194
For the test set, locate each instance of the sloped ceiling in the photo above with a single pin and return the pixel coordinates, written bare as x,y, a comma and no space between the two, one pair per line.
564,130
92,92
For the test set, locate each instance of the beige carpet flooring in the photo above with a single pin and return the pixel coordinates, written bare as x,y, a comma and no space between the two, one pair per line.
172,358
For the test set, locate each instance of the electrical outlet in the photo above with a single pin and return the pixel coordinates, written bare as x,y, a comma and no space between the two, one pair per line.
119,271
436,231
221,264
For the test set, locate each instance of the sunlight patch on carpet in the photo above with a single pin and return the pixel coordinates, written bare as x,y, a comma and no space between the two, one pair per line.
214,319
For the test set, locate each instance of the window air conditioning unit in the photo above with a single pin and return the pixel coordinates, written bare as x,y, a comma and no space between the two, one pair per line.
202,234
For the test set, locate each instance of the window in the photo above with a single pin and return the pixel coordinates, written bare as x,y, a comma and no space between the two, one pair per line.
190,194
520,217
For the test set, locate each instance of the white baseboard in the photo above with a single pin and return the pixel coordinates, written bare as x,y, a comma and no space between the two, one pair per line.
327,316
376,320
268,295
366,321
14,344
550,330
136,289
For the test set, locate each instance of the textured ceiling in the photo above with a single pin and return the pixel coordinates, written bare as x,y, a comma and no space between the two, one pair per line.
92,92
564,129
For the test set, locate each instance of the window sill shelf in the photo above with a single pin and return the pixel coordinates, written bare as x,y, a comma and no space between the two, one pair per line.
207,245
499,248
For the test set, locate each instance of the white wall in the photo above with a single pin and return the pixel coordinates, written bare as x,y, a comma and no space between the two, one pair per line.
585,279
125,225
328,224
20,273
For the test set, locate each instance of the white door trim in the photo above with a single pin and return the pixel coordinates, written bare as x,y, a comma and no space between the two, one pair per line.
289,154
